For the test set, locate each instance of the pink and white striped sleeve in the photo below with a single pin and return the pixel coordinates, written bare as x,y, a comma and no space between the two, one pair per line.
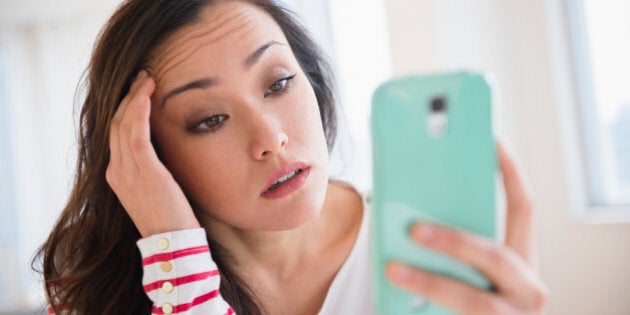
180,276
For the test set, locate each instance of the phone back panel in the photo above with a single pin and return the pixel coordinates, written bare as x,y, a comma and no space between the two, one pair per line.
448,180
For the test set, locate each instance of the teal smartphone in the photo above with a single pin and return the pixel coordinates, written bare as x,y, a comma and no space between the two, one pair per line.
434,160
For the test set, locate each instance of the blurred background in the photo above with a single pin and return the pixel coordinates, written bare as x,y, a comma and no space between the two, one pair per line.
563,108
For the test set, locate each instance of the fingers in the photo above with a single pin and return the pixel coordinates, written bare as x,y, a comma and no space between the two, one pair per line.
509,273
132,125
509,267
140,131
116,157
458,296
131,120
518,235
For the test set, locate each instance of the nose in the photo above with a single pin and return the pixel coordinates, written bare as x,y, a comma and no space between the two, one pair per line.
268,138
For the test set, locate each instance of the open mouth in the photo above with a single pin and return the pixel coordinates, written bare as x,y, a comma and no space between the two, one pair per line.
287,184
284,179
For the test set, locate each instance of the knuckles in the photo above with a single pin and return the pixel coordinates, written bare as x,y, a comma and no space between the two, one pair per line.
455,241
138,144
487,305
110,176
115,179
498,259
124,127
459,242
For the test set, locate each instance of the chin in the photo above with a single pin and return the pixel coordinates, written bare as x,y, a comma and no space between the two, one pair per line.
295,220
303,207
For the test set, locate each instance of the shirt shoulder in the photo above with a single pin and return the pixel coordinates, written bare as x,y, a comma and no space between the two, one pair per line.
352,286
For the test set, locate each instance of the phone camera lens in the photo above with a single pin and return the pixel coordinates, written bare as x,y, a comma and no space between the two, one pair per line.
437,117
438,104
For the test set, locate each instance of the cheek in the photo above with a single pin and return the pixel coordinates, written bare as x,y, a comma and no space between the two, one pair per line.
205,165
204,169
216,183
305,119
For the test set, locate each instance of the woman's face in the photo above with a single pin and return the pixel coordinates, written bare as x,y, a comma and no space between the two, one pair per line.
231,109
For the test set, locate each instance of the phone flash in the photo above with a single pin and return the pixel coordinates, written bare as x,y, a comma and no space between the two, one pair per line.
437,124
437,119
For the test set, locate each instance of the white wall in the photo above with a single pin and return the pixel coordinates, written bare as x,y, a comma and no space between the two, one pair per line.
48,45
520,42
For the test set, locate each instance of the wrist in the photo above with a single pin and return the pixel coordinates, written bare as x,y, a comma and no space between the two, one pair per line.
169,228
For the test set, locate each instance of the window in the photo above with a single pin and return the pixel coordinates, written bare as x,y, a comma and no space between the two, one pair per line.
600,46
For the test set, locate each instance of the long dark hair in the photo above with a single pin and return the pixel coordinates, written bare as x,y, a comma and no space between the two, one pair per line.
90,261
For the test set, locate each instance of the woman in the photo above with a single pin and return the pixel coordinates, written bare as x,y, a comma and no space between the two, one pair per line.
222,138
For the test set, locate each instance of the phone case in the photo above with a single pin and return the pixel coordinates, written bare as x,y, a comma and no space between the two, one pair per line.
447,179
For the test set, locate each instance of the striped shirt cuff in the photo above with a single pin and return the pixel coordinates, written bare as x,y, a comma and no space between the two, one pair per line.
180,276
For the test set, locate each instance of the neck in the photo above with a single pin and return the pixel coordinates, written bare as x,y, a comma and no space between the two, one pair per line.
277,254
272,263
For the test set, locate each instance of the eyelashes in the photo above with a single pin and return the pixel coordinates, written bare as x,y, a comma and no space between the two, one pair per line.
280,86
215,122
209,124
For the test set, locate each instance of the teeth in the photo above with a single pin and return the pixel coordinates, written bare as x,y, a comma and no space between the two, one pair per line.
284,178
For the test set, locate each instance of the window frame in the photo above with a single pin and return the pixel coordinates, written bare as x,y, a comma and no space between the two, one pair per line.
584,164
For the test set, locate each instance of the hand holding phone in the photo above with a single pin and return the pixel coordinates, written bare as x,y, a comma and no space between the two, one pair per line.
511,266
435,162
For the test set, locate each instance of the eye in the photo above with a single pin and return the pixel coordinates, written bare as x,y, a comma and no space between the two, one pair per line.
280,86
210,124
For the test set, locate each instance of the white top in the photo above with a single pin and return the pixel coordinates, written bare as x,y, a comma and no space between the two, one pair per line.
350,291
180,276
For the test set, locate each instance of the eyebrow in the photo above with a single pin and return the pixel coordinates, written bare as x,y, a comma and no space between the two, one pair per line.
210,81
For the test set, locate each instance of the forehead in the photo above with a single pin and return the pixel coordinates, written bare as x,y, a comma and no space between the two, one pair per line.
226,32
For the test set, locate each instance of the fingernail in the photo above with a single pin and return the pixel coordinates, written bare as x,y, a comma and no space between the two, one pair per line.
423,232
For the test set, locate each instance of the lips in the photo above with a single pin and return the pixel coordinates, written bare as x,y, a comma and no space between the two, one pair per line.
282,173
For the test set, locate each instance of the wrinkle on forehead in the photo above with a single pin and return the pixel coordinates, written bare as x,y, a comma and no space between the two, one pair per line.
212,28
